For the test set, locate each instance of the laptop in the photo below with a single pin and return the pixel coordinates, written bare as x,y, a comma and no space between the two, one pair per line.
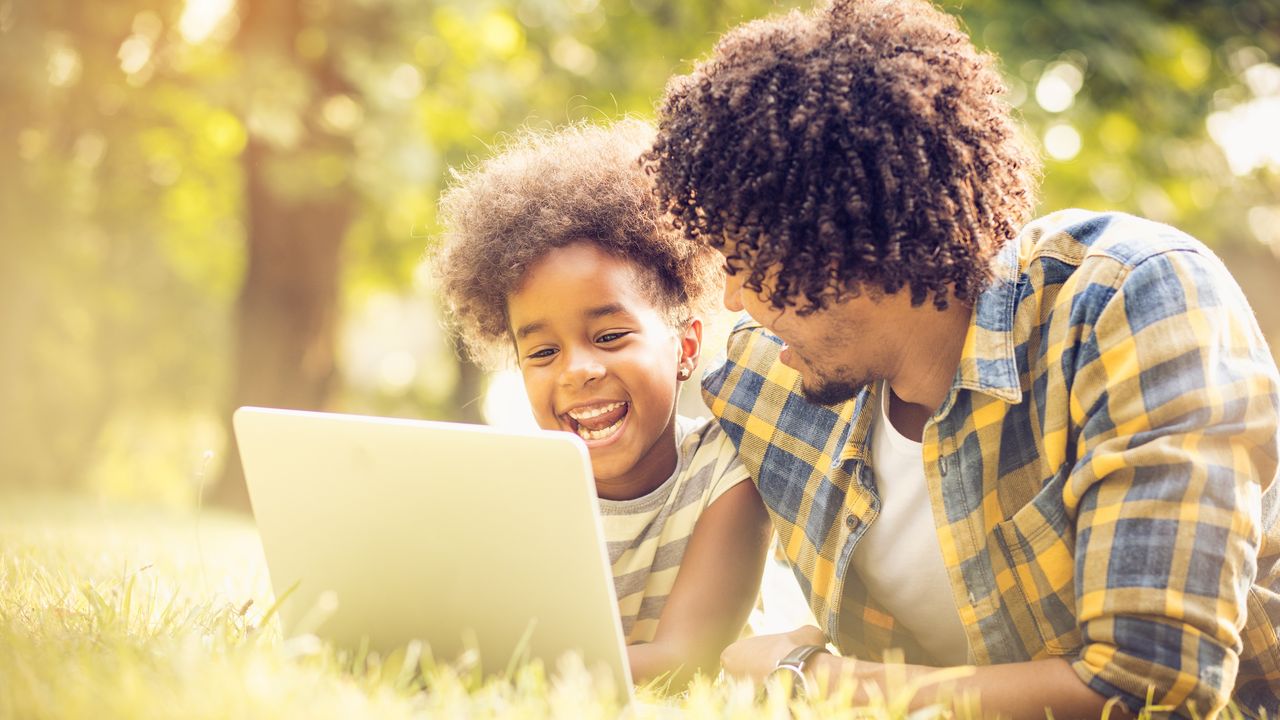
379,532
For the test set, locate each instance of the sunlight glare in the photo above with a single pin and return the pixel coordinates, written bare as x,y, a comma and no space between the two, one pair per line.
134,54
1058,86
1246,133
64,66
1264,221
505,403
201,17
1062,141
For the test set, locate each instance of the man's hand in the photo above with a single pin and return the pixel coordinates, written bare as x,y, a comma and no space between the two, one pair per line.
756,657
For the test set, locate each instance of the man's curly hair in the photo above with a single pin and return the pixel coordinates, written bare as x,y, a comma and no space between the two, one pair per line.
862,146
546,191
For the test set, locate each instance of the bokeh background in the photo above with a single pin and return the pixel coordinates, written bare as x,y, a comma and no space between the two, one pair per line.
208,203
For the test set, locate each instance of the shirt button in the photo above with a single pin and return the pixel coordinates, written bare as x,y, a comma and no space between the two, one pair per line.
851,522
972,599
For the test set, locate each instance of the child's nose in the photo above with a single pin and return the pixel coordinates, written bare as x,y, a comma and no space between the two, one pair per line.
581,369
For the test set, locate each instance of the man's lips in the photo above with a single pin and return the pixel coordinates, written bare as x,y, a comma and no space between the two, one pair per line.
788,357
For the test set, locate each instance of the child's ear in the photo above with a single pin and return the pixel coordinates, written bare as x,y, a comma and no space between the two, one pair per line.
690,347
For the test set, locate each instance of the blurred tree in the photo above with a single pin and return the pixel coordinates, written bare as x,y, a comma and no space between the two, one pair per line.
299,203
1163,109
119,236
199,200
160,154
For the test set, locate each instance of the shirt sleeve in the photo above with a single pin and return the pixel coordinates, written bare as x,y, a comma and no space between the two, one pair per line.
1174,395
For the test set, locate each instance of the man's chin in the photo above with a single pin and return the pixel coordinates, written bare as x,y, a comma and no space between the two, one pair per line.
831,393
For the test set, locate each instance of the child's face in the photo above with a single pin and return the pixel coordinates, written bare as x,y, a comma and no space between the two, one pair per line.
599,360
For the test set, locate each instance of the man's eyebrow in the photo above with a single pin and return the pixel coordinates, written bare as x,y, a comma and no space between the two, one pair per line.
594,313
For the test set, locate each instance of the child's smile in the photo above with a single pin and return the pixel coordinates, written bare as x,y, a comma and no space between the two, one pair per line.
598,422
600,360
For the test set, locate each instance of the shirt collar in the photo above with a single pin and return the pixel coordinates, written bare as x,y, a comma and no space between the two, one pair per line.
988,362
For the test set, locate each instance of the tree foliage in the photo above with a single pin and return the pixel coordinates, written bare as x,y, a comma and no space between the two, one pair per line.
133,138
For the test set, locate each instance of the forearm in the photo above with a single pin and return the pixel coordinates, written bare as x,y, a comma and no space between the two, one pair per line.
677,662
1013,690
714,590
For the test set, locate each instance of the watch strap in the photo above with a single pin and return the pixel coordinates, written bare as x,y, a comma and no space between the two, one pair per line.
793,663
799,656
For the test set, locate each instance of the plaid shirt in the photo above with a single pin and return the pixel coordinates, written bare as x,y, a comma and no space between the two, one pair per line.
1102,472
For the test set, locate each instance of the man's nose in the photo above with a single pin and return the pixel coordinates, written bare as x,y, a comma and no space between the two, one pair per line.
733,293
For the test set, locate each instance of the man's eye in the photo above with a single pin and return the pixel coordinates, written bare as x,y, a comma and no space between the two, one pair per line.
610,337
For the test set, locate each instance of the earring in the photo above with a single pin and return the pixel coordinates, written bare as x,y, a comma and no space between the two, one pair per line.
683,374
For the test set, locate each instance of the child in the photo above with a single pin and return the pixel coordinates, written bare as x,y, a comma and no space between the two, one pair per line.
555,255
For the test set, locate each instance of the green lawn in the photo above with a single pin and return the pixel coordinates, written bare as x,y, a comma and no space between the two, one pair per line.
110,611
127,612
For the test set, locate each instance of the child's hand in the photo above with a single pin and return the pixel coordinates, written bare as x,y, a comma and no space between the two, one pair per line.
756,657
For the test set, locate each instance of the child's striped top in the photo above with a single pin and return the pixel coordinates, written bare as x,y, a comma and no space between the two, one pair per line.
647,536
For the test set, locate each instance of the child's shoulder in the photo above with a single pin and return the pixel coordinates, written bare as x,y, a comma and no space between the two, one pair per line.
694,433
705,448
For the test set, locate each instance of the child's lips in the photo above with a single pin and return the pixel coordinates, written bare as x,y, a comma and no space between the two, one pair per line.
597,422
603,435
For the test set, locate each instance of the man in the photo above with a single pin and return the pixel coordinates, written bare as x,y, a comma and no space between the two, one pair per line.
1045,450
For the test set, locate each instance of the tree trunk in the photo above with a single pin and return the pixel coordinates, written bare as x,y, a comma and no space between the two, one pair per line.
286,316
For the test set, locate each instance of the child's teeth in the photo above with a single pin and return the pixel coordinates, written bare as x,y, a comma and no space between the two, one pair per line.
600,434
594,412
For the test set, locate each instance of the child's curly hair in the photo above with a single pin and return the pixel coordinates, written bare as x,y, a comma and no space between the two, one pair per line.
548,190
862,146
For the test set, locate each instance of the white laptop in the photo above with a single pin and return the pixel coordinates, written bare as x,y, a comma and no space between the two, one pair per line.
462,536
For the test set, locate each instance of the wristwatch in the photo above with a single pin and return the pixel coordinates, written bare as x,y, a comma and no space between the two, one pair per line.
793,664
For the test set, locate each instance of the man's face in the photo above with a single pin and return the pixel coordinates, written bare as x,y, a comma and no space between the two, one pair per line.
837,350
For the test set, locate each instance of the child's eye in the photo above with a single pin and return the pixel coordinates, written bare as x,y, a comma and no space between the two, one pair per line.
610,337
541,354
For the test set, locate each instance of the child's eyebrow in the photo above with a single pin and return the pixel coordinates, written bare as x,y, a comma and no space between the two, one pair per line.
591,314
605,310
526,330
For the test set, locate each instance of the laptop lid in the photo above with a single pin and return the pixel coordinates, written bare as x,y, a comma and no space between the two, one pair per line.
462,536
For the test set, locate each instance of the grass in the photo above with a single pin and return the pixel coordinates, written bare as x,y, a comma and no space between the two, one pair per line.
111,612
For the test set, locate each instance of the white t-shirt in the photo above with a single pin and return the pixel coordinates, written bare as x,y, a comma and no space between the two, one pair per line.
899,559
647,536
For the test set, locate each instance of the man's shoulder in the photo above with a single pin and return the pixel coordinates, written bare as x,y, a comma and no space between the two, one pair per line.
1095,258
1079,237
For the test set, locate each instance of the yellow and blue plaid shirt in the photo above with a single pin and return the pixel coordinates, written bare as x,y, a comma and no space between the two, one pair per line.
1102,472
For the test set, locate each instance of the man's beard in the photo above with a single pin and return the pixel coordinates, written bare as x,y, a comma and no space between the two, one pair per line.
830,391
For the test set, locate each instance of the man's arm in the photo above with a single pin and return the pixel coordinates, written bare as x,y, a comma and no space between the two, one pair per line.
1175,400
1015,690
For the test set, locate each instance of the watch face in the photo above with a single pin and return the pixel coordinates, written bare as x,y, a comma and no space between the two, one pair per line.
790,670
790,678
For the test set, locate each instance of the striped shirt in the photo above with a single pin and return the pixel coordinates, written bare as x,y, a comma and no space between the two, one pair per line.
647,536
1102,472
